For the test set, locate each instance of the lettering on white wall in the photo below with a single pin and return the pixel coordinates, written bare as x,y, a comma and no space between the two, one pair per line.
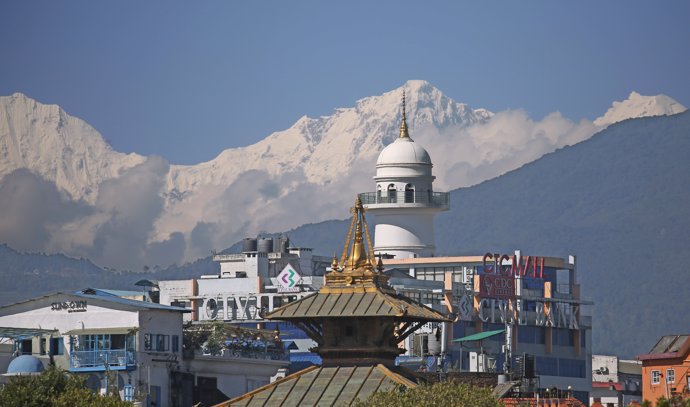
69,306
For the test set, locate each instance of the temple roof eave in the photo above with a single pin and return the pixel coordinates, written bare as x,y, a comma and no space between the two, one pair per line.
376,304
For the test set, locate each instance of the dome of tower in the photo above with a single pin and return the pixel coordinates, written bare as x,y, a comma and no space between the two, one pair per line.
403,151
24,365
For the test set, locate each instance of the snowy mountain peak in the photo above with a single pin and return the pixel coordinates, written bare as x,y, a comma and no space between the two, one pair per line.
637,105
56,146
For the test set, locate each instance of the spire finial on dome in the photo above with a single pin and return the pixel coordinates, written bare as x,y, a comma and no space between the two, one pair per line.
403,125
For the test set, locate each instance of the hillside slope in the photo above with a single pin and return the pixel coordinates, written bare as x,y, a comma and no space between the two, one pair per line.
619,201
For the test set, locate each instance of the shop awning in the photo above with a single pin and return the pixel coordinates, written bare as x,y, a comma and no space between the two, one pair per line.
94,331
15,333
479,336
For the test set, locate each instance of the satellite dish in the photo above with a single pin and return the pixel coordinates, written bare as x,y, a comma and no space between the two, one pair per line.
211,309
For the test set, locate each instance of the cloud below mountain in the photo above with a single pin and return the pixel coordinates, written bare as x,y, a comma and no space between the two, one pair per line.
128,211
464,156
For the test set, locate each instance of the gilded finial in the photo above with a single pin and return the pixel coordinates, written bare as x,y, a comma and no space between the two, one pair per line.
334,263
403,125
357,268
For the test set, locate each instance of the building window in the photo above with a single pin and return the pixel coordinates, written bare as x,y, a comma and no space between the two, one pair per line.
392,194
571,368
175,343
409,193
148,341
546,366
162,342
26,347
670,376
56,346
656,377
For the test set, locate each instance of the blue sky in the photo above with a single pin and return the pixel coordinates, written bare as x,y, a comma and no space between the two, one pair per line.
185,80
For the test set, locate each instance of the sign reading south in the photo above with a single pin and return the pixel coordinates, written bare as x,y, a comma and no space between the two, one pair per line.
288,280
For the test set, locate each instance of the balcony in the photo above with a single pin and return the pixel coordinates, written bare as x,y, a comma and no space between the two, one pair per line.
402,199
237,353
102,360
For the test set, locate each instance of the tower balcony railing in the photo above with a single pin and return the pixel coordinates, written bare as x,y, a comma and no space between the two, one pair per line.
404,198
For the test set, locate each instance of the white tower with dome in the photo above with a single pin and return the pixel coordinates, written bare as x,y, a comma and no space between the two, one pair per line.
404,203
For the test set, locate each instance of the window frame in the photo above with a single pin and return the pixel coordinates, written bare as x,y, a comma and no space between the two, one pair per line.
162,343
670,376
655,376
148,342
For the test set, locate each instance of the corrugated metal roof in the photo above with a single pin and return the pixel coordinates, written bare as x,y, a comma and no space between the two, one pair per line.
366,304
324,386
630,367
16,333
105,298
668,347
669,343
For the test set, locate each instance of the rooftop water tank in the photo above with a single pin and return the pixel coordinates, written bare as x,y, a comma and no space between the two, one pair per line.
280,244
249,244
265,245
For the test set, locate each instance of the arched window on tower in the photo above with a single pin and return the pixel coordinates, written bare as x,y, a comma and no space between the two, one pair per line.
392,194
378,193
409,193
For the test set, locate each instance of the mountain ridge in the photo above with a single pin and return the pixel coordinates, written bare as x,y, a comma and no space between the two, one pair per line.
128,211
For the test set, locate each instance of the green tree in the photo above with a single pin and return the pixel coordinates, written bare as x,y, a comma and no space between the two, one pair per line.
53,388
445,393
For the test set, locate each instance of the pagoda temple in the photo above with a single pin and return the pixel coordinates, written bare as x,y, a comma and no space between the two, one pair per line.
358,322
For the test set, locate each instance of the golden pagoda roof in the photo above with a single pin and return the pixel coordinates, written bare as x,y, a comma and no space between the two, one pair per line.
326,386
356,286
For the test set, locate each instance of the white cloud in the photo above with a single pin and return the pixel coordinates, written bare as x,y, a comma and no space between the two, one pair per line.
128,226
467,156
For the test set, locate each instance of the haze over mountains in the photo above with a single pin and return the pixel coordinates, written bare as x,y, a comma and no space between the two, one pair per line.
64,190
619,201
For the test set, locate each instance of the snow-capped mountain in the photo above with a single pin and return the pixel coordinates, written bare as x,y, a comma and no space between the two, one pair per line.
127,210
321,152
637,105
324,148
57,146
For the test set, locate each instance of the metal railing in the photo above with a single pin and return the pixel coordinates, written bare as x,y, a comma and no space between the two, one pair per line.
261,354
434,199
99,359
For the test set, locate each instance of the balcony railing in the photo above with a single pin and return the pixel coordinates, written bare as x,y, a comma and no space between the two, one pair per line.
101,360
432,199
261,354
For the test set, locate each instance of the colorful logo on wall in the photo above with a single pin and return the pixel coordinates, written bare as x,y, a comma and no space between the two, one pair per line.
289,278
465,308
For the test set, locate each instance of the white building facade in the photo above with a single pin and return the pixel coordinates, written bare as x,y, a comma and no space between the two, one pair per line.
115,342
135,348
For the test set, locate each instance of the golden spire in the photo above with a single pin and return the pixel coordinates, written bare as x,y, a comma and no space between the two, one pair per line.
403,125
357,269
